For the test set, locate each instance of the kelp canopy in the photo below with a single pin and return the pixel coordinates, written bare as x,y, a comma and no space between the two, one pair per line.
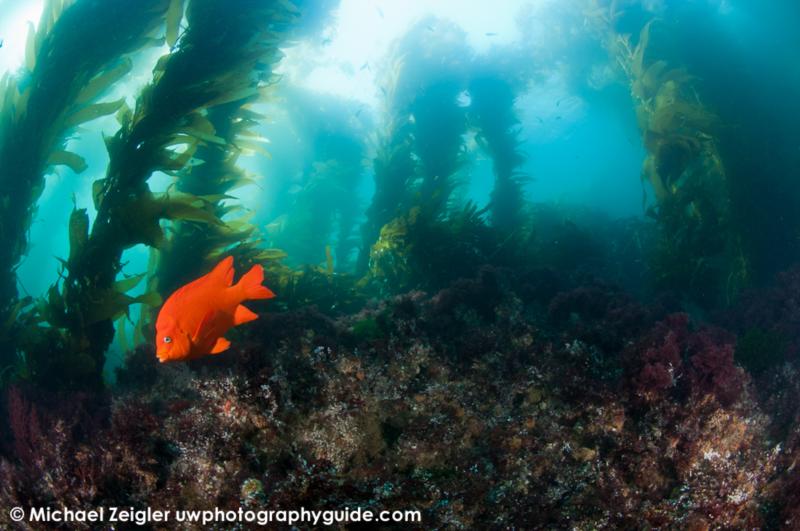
225,55
65,73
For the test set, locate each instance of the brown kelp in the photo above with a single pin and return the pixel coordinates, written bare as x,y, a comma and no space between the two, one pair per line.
193,247
394,167
418,233
417,160
317,195
71,60
218,59
700,251
493,90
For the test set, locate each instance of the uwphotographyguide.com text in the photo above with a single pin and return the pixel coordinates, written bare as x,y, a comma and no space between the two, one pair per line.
130,515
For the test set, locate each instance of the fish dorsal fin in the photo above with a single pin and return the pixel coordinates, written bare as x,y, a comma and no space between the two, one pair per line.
223,272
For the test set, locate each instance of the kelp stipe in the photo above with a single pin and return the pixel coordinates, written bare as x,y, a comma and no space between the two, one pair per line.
194,247
56,92
700,252
217,60
316,207
416,162
492,109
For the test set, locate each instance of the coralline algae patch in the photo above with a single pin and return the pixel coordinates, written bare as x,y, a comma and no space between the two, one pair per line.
472,415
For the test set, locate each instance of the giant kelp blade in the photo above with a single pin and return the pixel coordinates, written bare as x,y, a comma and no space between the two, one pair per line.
174,16
103,81
67,158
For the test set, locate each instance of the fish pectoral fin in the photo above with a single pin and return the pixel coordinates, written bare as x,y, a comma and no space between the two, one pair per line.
205,325
221,345
243,315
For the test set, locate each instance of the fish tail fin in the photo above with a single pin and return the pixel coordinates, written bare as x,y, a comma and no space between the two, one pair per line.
250,284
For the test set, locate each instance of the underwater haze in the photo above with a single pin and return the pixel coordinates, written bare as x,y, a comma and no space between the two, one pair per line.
530,264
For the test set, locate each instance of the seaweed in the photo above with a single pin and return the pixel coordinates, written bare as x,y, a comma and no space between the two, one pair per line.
699,254
419,251
193,246
317,198
218,59
417,160
491,107
71,59
394,167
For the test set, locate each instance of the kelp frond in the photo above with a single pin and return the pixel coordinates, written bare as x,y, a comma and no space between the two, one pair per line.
700,251
72,58
220,58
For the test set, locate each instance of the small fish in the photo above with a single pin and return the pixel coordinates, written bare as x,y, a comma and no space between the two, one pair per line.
491,34
194,319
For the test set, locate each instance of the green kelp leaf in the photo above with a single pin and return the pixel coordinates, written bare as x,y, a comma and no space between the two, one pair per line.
144,214
98,187
246,93
678,76
651,78
233,182
170,161
111,304
30,48
127,284
151,298
637,61
182,210
52,307
124,117
679,115
328,261
251,115
161,64
181,140
271,255
202,129
650,174
78,232
254,145
174,16
67,158
122,337
92,112
101,82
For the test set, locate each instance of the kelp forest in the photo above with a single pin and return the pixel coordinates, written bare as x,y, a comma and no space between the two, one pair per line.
455,329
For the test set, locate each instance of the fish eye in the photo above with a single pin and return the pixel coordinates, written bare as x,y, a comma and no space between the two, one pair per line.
167,339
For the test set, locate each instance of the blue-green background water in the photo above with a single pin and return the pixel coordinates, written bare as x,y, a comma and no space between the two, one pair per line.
577,121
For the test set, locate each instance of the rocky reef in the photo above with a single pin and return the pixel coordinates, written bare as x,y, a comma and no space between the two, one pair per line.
490,403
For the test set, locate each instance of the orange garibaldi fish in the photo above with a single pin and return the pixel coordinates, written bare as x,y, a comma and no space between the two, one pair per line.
194,319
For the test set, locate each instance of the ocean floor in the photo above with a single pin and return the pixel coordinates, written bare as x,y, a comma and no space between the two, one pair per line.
497,402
